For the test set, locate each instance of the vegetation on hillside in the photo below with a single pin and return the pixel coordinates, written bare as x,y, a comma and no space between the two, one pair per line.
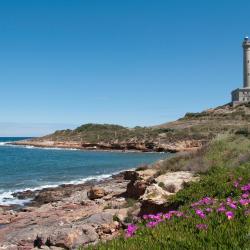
225,150
94,133
211,214
198,126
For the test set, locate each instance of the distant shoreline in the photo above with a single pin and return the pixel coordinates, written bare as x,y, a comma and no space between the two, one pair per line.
84,149
180,146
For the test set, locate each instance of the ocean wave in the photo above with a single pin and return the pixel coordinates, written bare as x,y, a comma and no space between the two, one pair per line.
56,148
34,147
7,198
4,143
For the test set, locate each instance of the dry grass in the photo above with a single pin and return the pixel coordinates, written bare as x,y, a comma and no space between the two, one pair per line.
231,150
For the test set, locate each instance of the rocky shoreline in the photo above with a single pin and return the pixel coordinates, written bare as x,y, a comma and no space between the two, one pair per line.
68,216
173,147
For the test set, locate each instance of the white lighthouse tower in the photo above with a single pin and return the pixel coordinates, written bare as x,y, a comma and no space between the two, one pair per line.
242,95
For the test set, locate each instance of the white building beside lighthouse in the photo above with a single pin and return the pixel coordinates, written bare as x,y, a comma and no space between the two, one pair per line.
242,95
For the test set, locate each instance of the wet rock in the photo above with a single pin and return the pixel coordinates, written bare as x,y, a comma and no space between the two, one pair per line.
96,193
50,195
27,194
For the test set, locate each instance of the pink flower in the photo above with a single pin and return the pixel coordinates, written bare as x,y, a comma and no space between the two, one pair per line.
236,184
244,202
172,212
151,216
207,200
203,201
145,216
208,210
221,209
229,215
151,224
202,226
246,187
195,204
131,230
245,195
232,205
200,213
167,216
179,214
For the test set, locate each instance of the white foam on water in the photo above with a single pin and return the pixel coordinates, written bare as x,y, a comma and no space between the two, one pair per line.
34,147
56,148
7,198
4,143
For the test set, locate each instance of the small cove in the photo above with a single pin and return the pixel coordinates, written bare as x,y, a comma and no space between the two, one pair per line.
25,168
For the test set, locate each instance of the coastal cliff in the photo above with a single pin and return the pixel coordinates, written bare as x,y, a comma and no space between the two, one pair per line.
73,216
186,134
213,158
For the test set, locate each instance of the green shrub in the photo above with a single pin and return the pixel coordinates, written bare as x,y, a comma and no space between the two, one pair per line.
218,182
182,233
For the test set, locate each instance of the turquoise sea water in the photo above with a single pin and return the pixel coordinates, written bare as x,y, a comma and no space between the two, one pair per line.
24,168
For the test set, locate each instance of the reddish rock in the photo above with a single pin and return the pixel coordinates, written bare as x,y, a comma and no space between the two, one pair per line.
136,189
96,193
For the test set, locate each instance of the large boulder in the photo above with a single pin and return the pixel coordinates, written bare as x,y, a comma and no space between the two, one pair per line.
139,180
68,237
131,175
100,218
96,193
173,181
73,237
155,197
136,189
155,194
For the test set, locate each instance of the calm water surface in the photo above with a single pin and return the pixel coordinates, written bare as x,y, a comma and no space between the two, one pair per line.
34,168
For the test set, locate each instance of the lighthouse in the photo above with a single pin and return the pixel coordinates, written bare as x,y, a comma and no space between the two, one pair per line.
242,95
246,62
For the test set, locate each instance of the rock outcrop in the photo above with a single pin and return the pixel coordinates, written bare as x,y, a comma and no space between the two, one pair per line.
69,216
96,193
139,180
155,198
66,222
143,146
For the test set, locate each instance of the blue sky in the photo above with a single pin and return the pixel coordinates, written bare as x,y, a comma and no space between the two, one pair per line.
133,62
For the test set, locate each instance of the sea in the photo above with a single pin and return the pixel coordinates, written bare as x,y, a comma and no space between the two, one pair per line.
30,168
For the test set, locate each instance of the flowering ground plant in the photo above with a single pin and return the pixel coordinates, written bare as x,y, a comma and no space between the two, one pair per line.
212,214
203,210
